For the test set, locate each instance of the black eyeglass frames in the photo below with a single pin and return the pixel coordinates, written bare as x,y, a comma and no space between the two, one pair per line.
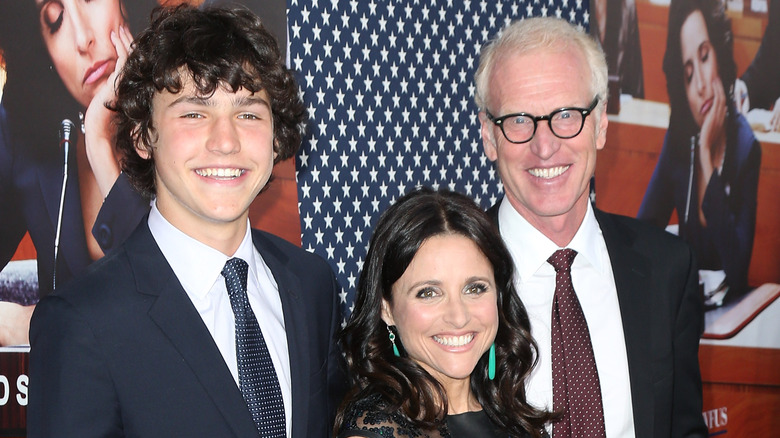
563,122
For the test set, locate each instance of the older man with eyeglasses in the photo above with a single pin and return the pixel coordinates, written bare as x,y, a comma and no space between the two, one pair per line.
613,303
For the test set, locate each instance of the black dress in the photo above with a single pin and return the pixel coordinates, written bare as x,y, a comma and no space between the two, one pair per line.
367,418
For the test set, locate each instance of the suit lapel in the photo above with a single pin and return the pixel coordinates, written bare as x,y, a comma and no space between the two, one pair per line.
294,324
632,281
175,315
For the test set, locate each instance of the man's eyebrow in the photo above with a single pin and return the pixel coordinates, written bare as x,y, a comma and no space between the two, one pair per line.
251,100
206,101
195,100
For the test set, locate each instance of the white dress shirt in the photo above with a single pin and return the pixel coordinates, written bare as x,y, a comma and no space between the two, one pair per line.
594,285
198,268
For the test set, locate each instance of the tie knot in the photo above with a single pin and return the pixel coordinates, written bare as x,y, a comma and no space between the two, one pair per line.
562,259
235,272
236,268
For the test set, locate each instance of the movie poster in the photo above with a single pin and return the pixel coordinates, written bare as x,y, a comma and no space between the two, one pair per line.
692,146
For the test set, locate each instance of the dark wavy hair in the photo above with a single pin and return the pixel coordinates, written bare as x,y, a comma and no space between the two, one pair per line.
405,385
217,47
721,37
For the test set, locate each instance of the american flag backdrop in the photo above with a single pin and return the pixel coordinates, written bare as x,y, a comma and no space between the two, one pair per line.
389,89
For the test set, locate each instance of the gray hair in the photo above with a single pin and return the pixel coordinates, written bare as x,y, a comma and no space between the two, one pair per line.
549,33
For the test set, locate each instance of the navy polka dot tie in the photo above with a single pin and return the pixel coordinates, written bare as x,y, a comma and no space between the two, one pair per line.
576,387
256,374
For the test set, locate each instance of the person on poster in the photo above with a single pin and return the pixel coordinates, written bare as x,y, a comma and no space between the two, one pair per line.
709,165
61,59
613,294
759,86
438,344
614,25
196,325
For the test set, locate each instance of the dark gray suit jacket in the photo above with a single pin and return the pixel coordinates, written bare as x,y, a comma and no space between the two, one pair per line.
662,313
122,351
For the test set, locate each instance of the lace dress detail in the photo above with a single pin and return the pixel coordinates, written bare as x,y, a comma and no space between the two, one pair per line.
367,418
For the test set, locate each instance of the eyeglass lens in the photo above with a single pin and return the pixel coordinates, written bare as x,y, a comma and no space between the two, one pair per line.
564,124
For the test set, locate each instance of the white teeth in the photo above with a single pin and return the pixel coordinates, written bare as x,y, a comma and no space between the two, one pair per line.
548,172
454,341
219,172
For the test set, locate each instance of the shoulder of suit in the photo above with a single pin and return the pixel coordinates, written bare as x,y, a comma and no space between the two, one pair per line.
104,284
747,146
274,242
641,231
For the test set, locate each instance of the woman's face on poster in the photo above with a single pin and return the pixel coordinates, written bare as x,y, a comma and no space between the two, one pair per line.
700,66
77,34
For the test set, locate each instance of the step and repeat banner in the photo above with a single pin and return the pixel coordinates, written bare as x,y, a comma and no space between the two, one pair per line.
389,91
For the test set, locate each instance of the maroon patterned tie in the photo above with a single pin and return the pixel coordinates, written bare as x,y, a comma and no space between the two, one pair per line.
576,388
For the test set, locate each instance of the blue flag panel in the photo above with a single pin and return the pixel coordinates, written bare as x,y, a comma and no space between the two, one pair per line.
389,89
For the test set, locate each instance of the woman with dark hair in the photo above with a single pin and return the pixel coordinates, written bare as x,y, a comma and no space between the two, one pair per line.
59,172
438,343
709,165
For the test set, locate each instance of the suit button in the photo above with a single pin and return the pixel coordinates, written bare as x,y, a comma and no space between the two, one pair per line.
104,236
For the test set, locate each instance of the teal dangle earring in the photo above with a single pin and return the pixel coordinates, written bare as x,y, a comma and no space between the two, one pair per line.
391,335
492,362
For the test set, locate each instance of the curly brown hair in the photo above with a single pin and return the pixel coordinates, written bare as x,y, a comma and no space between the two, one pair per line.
216,47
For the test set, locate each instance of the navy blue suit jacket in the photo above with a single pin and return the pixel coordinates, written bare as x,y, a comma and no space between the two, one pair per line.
121,351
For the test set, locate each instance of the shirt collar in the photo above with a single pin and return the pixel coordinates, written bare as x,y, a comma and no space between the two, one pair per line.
531,249
196,265
589,242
